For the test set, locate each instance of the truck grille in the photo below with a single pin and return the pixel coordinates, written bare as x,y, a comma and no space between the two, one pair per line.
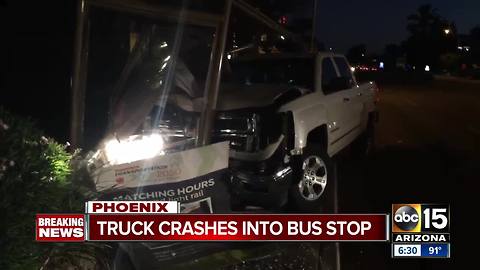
241,130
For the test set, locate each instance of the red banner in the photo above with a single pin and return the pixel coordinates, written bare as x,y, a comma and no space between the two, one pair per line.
60,227
238,227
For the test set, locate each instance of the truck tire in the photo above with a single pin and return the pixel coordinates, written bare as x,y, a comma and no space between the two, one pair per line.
364,145
312,188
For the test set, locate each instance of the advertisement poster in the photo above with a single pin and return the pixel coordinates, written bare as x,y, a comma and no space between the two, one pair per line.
194,177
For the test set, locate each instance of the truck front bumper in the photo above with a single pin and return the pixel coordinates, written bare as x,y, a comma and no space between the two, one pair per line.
269,190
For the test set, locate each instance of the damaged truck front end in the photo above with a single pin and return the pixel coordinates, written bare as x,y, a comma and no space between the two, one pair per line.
251,115
260,144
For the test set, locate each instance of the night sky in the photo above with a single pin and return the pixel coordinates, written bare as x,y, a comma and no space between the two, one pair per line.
37,37
343,23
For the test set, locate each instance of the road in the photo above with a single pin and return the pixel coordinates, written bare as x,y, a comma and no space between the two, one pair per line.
428,146
442,112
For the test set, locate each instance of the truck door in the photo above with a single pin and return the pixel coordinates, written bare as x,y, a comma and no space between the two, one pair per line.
352,97
335,104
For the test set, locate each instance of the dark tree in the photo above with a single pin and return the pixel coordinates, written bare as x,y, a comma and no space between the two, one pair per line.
422,22
356,54
391,53
475,44
431,36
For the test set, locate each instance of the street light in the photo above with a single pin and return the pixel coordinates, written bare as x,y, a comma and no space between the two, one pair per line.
446,31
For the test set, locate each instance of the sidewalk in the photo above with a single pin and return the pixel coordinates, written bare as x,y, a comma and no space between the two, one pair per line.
455,79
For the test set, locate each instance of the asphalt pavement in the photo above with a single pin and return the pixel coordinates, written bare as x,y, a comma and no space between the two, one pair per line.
428,146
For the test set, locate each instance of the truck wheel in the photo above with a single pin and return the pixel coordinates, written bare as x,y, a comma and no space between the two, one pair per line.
364,145
312,190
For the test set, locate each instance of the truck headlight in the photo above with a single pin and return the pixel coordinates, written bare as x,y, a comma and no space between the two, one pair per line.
133,148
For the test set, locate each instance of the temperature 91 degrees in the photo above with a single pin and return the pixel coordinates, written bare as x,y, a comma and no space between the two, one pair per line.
436,250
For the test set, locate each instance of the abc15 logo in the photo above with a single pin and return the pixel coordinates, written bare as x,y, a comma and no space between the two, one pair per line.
420,218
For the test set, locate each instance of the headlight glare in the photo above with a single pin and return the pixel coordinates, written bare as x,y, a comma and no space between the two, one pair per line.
134,148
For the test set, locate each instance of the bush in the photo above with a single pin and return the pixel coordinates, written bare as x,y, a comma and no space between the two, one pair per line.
34,178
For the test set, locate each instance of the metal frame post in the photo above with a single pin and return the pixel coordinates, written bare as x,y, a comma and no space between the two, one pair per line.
213,78
78,76
314,25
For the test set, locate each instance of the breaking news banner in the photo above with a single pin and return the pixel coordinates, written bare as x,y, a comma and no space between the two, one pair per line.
420,231
238,227
60,228
161,221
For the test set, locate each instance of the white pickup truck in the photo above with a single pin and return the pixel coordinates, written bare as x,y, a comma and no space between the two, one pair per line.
286,116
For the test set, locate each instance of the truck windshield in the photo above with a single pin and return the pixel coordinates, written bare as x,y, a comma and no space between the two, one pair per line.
294,71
